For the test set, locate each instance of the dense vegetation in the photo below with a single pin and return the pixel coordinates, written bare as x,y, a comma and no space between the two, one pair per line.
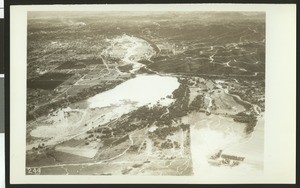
249,119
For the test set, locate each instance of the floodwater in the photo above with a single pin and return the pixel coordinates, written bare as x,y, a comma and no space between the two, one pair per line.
124,98
209,134
141,90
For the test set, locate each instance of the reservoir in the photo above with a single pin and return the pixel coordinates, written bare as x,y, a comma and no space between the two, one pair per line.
69,122
142,90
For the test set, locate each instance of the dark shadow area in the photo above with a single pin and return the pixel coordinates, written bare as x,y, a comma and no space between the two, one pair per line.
1,47
1,105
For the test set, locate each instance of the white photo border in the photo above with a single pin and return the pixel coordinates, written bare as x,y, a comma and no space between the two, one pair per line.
280,113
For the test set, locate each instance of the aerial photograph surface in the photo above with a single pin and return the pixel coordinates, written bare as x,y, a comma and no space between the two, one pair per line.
145,93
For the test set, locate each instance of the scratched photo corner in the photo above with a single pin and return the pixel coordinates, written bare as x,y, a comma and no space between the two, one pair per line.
145,93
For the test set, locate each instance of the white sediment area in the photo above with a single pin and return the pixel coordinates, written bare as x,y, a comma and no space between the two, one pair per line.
130,50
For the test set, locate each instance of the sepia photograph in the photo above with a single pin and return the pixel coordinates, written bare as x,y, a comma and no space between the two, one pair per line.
145,93
166,93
